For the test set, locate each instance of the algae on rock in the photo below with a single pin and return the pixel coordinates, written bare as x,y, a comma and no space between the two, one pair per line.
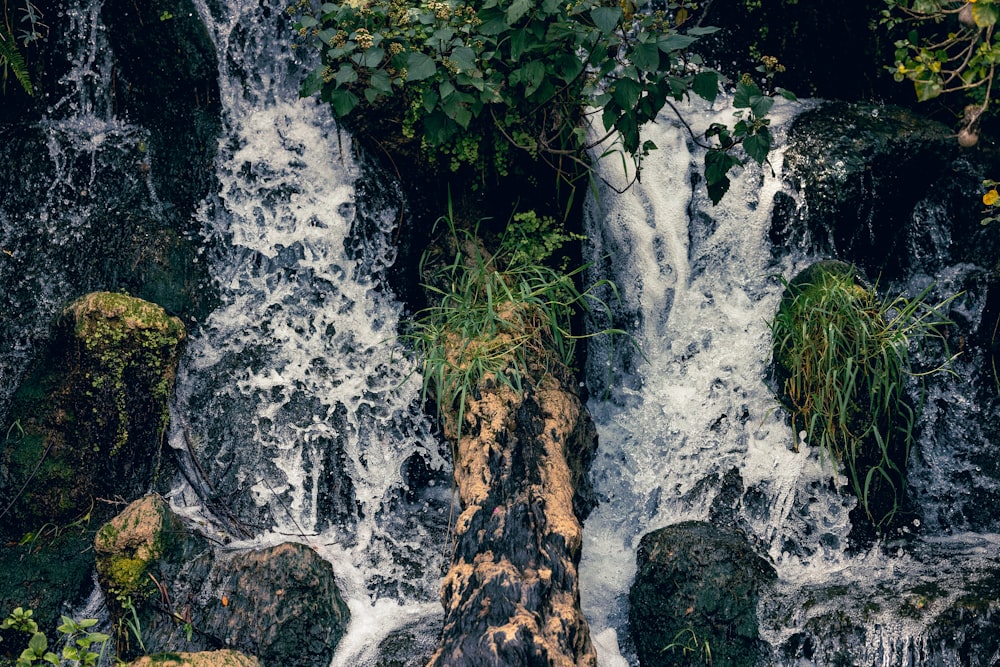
91,418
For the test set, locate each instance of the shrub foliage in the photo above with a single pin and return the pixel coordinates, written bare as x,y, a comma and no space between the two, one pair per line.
473,81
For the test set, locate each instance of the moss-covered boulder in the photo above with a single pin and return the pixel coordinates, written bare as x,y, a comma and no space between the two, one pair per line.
281,603
222,658
90,420
131,547
694,599
51,573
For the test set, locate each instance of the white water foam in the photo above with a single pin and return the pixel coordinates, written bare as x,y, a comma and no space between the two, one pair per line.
295,381
697,282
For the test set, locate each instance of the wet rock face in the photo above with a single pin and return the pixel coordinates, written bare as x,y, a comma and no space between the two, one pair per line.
511,595
280,604
959,622
882,188
894,194
695,597
89,423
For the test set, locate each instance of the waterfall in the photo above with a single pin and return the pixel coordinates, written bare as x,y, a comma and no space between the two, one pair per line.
690,429
294,393
298,413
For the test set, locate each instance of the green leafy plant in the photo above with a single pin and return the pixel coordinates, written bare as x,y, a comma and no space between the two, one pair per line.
472,81
500,317
845,354
77,638
12,61
948,48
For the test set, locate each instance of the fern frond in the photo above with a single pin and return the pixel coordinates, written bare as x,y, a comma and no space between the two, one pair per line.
11,59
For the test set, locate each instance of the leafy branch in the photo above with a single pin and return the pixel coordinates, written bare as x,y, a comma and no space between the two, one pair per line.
949,48
473,81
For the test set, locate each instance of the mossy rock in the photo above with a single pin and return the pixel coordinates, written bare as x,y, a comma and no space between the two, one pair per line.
129,546
89,421
694,599
222,658
50,573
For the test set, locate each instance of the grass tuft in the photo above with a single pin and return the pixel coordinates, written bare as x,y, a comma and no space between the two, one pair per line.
501,318
845,353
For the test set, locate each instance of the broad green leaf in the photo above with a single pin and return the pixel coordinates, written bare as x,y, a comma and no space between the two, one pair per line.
984,14
702,30
568,66
312,83
38,643
471,81
717,166
606,18
646,57
307,22
927,90
343,101
787,94
381,83
760,105
629,130
518,43
626,92
345,74
419,66
369,57
464,59
675,42
517,9
744,91
430,100
758,145
438,128
532,76
706,85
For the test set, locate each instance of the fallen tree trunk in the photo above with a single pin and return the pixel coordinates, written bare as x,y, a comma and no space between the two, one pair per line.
511,594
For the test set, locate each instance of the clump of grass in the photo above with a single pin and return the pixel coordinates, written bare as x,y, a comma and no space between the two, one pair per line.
845,353
502,318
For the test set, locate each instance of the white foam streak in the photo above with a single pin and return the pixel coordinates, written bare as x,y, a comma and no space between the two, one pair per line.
700,281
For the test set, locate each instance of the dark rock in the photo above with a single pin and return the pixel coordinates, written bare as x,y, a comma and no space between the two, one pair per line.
49,572
90,422
223,658
280,604
410,646
947,623
882,187
695,594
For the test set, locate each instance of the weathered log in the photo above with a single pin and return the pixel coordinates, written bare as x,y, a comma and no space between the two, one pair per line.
511,594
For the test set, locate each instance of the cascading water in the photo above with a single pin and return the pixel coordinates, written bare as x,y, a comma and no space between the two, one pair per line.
293,394
303,414
691,430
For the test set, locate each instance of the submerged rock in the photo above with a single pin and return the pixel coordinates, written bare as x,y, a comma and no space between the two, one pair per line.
89,423
694,599
280,603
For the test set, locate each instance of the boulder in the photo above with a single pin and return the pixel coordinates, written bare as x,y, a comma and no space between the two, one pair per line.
694,599
279,603
89,423
222,658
